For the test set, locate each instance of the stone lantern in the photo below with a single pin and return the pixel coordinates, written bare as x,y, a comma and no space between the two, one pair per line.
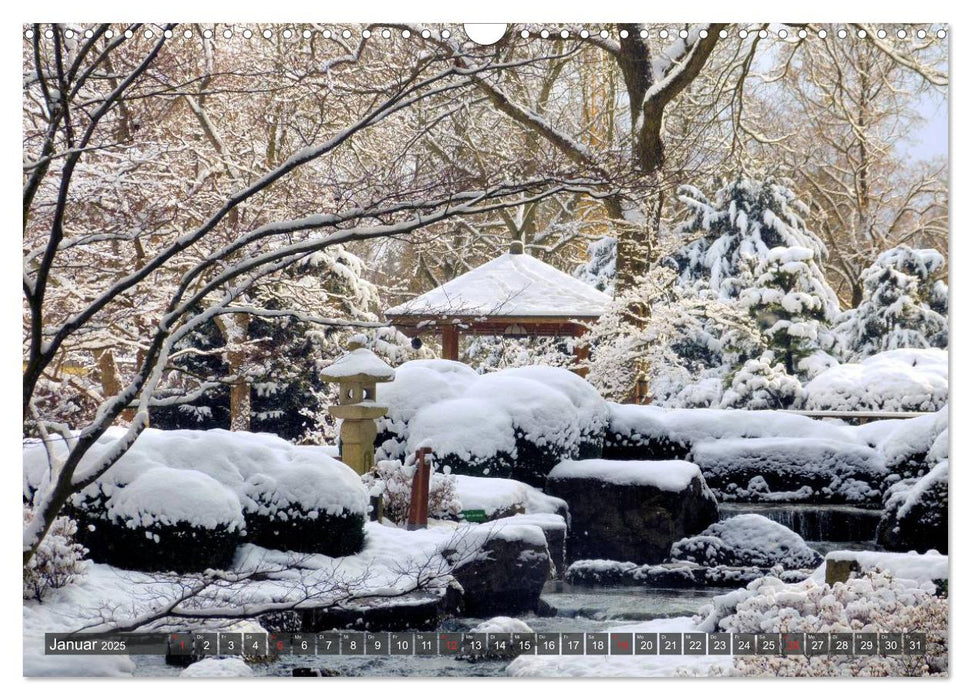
356,373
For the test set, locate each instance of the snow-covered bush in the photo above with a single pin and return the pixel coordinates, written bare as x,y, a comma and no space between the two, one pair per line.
517,422
467,436
904,305
895,380
747,540
163,520
872,602
306,508
909,447
58,561
809,469
416,384
392,481
763,383
191,489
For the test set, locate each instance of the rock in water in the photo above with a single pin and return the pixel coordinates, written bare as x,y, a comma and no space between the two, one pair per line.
631,511
501,567
915,515
749,540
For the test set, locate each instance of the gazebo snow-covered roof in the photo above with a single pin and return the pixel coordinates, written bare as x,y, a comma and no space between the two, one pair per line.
512,295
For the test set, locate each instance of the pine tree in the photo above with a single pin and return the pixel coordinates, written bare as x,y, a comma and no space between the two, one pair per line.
790,301
601,268
746,219
905,305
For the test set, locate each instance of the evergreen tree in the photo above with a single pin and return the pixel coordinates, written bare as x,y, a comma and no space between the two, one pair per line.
905,305
601,268
792,304
745,220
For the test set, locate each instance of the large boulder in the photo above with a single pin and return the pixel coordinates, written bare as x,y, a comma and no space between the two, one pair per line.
631,511
748,540
915,514
501,567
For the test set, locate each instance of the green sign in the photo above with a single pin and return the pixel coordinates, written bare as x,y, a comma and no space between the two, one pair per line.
474,516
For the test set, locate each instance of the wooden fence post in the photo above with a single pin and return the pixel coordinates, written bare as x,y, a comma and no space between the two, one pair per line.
418,508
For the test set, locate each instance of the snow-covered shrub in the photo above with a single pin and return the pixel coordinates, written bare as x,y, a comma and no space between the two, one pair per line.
811,469
306,508
872,602
592,412
763,383
747,540
904,305
163,520
295,497
392,480
915,513
895,380
467,436
416,384
58,561
544,422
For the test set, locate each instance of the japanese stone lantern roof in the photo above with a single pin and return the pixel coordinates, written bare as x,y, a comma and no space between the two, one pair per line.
358,365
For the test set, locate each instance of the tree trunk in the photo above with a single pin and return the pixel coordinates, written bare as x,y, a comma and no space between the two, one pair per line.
235,330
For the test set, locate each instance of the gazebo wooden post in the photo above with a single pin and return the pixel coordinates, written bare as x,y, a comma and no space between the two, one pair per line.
581,353
450,342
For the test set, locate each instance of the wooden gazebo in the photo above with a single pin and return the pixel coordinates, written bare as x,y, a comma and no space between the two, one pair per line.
514,295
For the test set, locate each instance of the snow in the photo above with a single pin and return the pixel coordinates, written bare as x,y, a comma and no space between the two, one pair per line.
468,428
245,463
502,625
504,496
544,415
670,475
169,496
387,565
217,668
922,568
895,380
511,285
747,540
626,666
358,362
923,487
693,425
592,411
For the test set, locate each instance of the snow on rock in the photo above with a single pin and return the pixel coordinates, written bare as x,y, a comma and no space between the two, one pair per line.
631,511
217,668
810,468
896,380
501,497
747,540
908,446
670,475
502,625
509,285
170,496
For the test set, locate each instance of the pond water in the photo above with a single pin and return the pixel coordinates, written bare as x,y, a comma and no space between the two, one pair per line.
582,608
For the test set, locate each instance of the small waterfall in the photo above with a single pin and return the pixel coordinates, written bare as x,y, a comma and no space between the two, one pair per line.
814,523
